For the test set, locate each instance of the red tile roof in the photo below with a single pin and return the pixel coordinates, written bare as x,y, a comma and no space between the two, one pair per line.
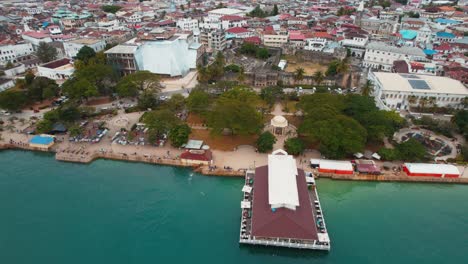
283,223
254,40
232,18
237,30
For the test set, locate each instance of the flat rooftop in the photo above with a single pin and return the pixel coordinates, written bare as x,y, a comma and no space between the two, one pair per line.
418,83
283,222
85,41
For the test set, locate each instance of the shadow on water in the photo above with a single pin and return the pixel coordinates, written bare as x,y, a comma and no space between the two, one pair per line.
283,252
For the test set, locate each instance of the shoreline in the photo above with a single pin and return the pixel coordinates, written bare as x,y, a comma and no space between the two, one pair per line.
205,170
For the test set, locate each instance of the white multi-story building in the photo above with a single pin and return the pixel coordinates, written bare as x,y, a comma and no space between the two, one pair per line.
397,91
34,10
10,53
214,40
380,55
356,43
275,39
189,24
36,37
72,47
60,69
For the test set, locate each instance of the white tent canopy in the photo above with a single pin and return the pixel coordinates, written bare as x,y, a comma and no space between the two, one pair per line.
323,237
246,189
282,182
428,168
245,204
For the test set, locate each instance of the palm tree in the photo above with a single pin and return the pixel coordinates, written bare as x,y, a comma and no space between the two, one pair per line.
299,74
318,77
368,88
343,66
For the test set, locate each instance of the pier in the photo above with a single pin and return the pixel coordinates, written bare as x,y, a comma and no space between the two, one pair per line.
282,225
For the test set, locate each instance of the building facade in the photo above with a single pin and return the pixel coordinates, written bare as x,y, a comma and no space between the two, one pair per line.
380,55
395,91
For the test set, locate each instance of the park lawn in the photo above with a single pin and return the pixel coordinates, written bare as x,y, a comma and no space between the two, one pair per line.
226,143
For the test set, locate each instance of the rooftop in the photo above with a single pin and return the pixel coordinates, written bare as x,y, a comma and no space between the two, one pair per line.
382,46
420,83
85,41
122,49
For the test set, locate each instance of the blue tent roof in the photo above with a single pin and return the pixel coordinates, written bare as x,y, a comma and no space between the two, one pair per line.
41,140
408,34
443,34
447,21
429,52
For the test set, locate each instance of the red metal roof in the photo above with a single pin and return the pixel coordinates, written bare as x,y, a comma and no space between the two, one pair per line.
205,156
283,223
237,30
254,40
231,18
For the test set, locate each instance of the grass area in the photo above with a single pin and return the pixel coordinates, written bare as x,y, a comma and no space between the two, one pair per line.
225,143
290,106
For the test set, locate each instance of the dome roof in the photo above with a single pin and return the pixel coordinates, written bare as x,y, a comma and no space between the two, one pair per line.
279,121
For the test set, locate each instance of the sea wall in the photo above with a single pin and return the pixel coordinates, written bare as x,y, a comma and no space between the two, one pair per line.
389,178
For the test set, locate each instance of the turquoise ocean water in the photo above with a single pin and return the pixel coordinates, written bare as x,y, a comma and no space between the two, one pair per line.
117,212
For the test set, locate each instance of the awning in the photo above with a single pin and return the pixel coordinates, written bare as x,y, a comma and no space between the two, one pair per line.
376,156
245,204
246,189
310,180
358,155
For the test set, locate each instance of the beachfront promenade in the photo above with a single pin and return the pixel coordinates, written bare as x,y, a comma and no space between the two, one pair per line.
238,161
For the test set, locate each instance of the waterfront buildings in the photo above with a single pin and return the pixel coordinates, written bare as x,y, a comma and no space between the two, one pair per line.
122,58
12,52
60,69
280,207
396,91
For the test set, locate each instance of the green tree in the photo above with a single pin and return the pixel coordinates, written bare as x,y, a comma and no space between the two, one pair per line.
265,142
44,126
147,100
388,154
275,10
160,121
299,74
132,84
294,146
79,89
262,53
257,12
39,85
179,135
110,8
411,150
75,130
176,103
85,54
29,77
46,52
234,111
318,77
461,120
368,88
101,75
198,101
271,94
12,100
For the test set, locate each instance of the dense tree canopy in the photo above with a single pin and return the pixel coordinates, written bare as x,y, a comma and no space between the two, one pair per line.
12,100
132,84
46,52
42,88
342,125
160,121
179,135
110,8
235,112
198,101
294,146
79,89
265,142
85,54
